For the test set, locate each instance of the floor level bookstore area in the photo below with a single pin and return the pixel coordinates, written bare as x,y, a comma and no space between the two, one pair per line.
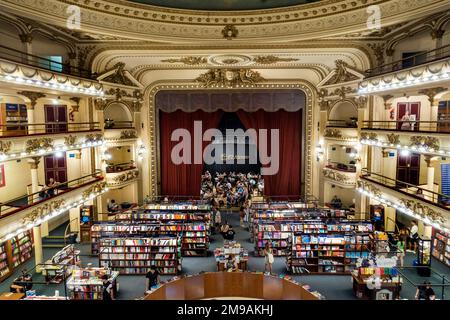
277,250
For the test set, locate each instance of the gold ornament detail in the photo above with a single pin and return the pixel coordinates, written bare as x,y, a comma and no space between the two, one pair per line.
229,78
69,140
393,138
271,59
128,134
41,211
5,146
229,32
97,188
94,137
422,210
341,73
38,144
189,60
425,142
127,176
337,176
332,133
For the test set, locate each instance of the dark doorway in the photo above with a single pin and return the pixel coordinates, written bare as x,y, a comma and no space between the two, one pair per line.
408,169
55,118
242,147
56,168
413,109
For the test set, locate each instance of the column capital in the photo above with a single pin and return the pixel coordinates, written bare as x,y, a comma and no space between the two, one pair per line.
26,37
429,160
437,33
431,92
34,162
33,96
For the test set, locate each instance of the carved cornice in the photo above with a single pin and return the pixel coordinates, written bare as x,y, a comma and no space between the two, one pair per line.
341,74
229,78
38,144
230,32
360,102
343,91
378,51
295,22
422,210
119,76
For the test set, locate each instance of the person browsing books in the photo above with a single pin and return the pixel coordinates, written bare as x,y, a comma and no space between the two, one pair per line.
152,278
107,288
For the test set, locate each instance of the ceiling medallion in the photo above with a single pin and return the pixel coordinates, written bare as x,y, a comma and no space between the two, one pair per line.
230,59
229,78
229,32
189,60
270,59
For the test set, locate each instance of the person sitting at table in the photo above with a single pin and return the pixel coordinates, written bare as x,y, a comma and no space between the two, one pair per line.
227,231
22,283
51,187
113,206
336,203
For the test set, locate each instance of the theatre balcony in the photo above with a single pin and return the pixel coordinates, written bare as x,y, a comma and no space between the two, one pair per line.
419,201
22,213
409,127
345,178
417,71
121,174
29,140
18,68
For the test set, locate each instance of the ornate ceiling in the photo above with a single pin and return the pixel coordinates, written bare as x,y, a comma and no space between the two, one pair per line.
229,5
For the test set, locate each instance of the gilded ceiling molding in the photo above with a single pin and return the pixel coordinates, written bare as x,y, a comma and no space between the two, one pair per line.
33,96
432,92
230,32
230,78
189,60
153,161
325,18
271,59
341,74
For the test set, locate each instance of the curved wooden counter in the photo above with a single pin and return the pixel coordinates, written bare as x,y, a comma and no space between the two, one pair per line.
231,284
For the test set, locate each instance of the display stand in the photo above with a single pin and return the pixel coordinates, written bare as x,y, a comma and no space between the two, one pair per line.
424,256
375,283
86,219
61,264
229,255
86,284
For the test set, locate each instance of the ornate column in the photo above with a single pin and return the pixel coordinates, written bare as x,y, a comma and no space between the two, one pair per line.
33,96
38,252
27,39
430,178
34,165
437,35
434,103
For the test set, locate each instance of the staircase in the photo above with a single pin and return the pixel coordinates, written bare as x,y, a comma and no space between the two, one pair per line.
53,242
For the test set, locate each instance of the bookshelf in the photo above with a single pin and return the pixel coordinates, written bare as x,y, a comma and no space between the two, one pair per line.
86,284
14,115
61,264
328,247
21,248
276,233
137,255
4,265
441,247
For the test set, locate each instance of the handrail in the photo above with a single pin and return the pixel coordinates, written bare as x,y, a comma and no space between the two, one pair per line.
24,128
39,197
438,199
350,123
120,167
414,125
25,58
122,124
335,166
416,60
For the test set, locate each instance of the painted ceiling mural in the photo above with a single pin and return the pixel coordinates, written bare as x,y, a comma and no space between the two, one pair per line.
224,4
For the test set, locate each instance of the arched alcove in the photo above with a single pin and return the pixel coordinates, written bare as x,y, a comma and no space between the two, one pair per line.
343,111
117,115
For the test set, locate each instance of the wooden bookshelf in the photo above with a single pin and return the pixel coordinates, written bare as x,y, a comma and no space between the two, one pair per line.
12,116
21,248
441,247
137,255
86,284
4,264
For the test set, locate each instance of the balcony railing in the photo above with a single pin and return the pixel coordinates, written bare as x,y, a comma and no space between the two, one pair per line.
409,62
120,167
440,126
22,57
114,124
15,205
25,129
409,189
341,167
351,123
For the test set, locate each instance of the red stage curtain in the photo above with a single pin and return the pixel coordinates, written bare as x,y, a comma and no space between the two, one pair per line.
287,181
183,179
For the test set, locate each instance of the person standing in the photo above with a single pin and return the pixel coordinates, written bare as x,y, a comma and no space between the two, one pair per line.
152,278
268,258
217,219
400,249
406,124
107,288
413,236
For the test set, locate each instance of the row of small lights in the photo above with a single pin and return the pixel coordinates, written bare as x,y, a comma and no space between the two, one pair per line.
49,85
403,209
52,215
57,149
405,83
406,150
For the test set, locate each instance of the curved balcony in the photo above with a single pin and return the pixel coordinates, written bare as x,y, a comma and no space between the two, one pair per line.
25,212
121,175
21,129
339,177
440,126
